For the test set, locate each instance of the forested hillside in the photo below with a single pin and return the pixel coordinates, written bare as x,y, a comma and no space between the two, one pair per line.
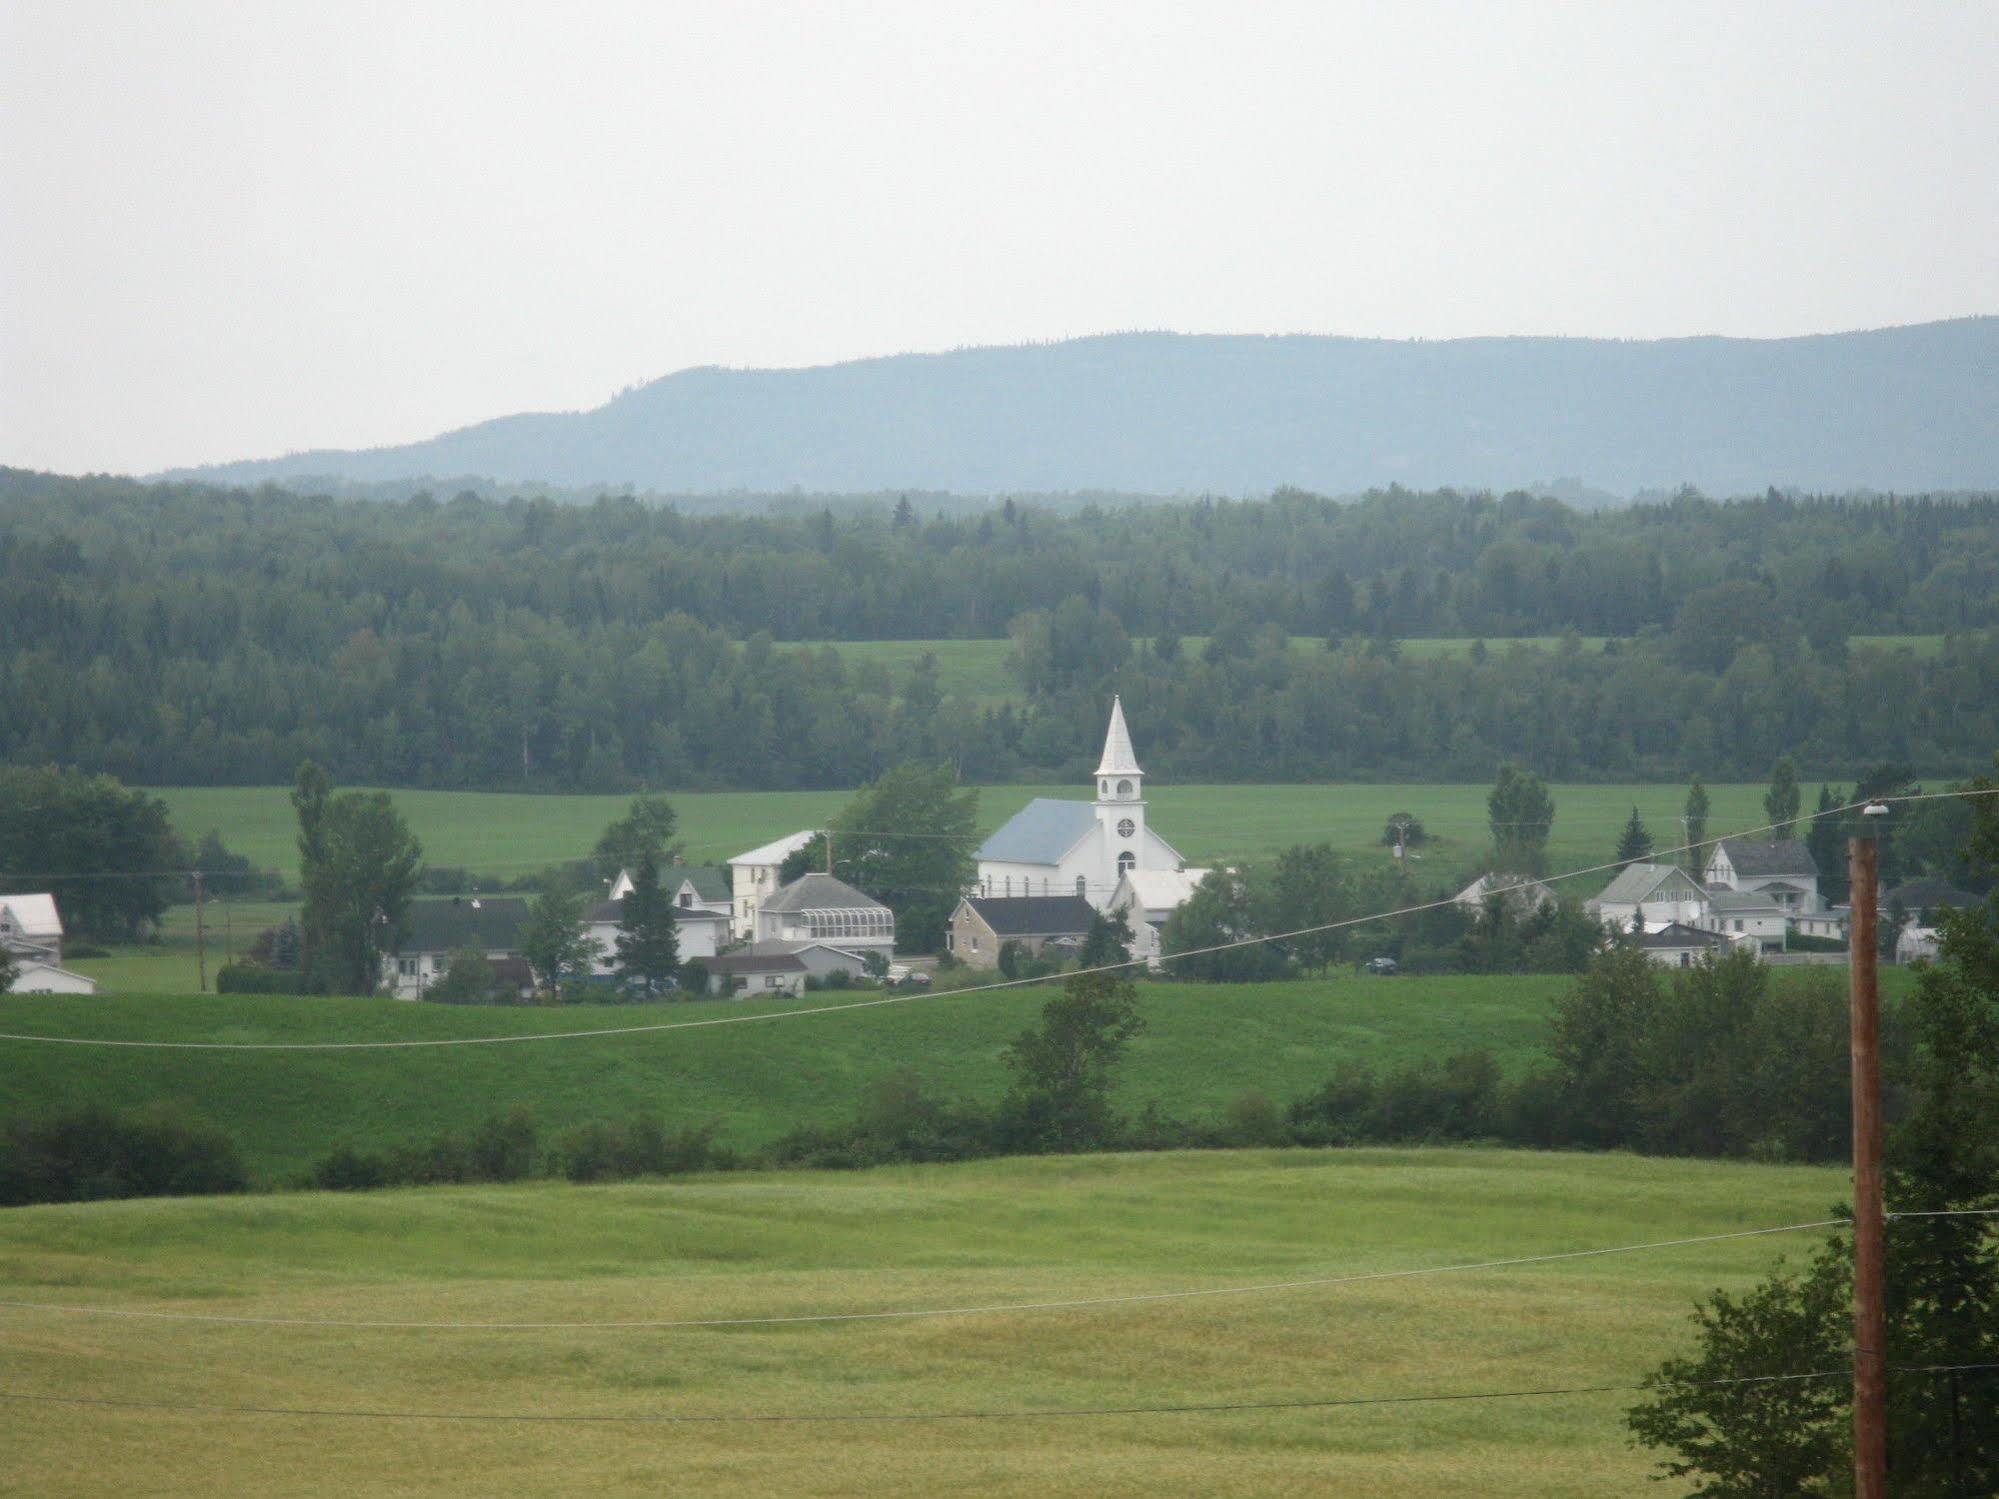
1887,408
188,634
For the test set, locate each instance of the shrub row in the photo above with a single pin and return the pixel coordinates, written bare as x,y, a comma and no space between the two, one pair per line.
92,1153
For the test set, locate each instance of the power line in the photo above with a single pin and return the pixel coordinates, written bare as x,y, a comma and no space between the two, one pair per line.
809,1418
1079,1303
900,999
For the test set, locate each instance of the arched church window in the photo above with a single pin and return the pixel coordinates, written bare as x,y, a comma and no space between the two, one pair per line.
1125,861
1104,787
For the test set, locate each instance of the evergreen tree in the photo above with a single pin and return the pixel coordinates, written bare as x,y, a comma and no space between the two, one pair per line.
1522,814
9,969
1635,843
1781,801
648,943
1826,838
1696,826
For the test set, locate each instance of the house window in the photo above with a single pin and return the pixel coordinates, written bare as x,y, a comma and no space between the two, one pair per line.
775,981
406,967
1082,885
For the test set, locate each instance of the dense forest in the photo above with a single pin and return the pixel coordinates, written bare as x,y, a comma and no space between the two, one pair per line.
185,633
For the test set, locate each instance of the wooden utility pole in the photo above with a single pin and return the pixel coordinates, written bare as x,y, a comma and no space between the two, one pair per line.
200,937
1870,1322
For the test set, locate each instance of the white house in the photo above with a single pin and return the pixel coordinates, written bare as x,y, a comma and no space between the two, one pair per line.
1056,847
702,910
1522,893
1781,868
754,875
1652,896
1677,945
820,908
36,977
31,928
488,925
777,967
1147,897
1748,916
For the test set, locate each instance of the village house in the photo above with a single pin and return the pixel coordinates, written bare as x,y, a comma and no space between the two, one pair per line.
699,896
1748,916
1646,897
820,908
981,924
31,929
488,925
1055,847
753,875
1917,902
776,966
1522,893
1678,945
1781,868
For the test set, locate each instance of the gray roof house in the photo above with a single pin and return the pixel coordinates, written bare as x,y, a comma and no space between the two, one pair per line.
820,908
1783,868
1652,895
980,924
485,924
1678,945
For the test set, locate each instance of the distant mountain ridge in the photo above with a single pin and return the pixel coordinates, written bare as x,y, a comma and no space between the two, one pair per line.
1910,408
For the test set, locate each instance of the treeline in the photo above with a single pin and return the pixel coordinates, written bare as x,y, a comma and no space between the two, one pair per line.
187,634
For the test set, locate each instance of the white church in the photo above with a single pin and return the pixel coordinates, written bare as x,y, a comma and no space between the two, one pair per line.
1091,849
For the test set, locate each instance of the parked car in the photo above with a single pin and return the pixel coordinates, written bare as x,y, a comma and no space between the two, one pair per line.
1379,965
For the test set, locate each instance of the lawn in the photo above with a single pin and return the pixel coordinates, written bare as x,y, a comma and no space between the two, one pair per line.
1203,1046
495,833
898,1238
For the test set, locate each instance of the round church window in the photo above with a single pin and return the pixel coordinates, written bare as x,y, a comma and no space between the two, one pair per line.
1126,827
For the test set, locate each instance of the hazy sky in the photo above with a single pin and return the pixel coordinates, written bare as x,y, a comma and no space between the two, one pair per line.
233,230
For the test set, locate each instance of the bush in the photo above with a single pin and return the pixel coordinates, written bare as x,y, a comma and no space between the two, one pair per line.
694,979
606,1150
349,1170
91,1154
248,978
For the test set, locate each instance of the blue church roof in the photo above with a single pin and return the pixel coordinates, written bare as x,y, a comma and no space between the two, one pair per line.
1040,832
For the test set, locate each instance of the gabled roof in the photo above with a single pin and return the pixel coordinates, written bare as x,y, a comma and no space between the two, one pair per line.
1033,915
1522,889
34,915
771,956
820,892
1119,758
1678,934
1040,832
1161,889
778,852
710,881
485,922
1754,858
1642,882
1925,895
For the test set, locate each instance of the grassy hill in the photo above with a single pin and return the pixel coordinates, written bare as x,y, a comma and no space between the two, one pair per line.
999,1231
1203,1046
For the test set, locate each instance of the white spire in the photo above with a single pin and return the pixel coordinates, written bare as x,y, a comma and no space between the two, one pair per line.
1119,758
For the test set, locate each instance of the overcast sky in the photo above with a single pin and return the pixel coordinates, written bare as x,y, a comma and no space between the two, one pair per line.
234,230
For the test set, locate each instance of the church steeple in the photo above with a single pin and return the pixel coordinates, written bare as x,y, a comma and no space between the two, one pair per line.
1119,758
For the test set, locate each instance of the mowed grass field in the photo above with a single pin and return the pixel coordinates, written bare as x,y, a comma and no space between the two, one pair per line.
497,833
908,1238
1203,1046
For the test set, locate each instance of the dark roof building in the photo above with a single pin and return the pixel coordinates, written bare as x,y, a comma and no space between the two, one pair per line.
486,923
1766,858
981,924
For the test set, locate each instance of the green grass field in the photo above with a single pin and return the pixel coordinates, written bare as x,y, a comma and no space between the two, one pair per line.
898,1238
503,834
1203,1046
